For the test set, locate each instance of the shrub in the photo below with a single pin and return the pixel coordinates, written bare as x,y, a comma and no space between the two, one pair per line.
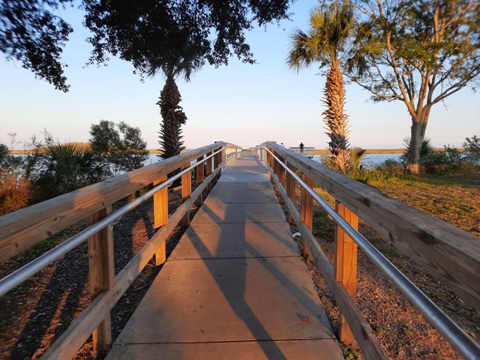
472,149
55,169
15,190
3,152
426,149
447,162
120,145
391,167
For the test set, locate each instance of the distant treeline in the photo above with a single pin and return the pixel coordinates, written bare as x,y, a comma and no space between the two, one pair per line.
317,151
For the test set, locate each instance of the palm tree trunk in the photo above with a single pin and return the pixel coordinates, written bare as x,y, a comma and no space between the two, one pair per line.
335,118
173,118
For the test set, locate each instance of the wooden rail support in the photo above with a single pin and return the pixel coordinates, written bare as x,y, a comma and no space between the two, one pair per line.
186,193
290,190
208,171
346,266
102,274
270,162
200,171
160,218
306,211
216,161
223,156
282,178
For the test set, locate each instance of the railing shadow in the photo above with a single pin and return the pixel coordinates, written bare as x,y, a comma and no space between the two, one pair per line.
67,288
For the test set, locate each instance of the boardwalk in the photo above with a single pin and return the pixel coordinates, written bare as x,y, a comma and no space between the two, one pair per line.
235,287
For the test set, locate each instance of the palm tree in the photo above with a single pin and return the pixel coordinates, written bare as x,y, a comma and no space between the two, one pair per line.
184,63
327,40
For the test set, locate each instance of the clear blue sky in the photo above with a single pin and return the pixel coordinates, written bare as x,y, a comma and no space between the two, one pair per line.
239,103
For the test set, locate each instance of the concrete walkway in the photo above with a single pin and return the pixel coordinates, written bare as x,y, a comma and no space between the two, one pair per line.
235,287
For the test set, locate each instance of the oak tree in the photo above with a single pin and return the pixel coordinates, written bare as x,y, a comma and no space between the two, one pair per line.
418,52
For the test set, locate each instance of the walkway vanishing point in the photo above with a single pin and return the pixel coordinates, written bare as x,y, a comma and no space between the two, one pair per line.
235,287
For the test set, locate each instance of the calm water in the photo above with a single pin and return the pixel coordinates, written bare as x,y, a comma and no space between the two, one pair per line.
368,160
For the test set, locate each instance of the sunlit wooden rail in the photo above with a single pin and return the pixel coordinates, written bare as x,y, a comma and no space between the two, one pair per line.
448,253
234,287
24,228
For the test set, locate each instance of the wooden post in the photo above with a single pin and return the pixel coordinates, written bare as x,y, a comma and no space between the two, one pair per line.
270,163
306,211
102,273
186,192
200,169
346,265
208,171
282,172
216,161
290,189
160,217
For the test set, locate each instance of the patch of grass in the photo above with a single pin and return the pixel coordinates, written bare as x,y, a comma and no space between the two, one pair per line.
323,226
453,198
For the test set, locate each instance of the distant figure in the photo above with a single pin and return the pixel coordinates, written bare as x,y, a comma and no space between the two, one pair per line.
282,145
301,147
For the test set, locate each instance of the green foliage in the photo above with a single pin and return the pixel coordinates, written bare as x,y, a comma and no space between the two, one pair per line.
426,148
173,119
212,30
119,145
33,34
472,147
55,169
329,36
137,31
3,152
15,191
447,162
355,169
391,167
429,50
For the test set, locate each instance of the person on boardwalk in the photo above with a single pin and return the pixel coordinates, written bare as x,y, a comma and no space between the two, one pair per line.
301,147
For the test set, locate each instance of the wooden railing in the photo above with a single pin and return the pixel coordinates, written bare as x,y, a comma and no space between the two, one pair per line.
305,151
448,253
24,228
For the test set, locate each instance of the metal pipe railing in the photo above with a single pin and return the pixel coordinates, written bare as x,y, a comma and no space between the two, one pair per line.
22,274
455,335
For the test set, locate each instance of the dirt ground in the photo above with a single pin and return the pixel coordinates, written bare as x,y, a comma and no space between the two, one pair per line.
34,314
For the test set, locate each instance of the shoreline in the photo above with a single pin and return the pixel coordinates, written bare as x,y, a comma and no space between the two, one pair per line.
247,150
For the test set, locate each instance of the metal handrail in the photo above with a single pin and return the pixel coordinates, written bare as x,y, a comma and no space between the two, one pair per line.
455,335
17,277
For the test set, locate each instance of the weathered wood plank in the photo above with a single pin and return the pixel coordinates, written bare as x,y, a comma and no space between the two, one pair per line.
66,346
360,327
290,189
160,217
445,251
186,193
23,228
102,274
306,210
346,265
200,175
